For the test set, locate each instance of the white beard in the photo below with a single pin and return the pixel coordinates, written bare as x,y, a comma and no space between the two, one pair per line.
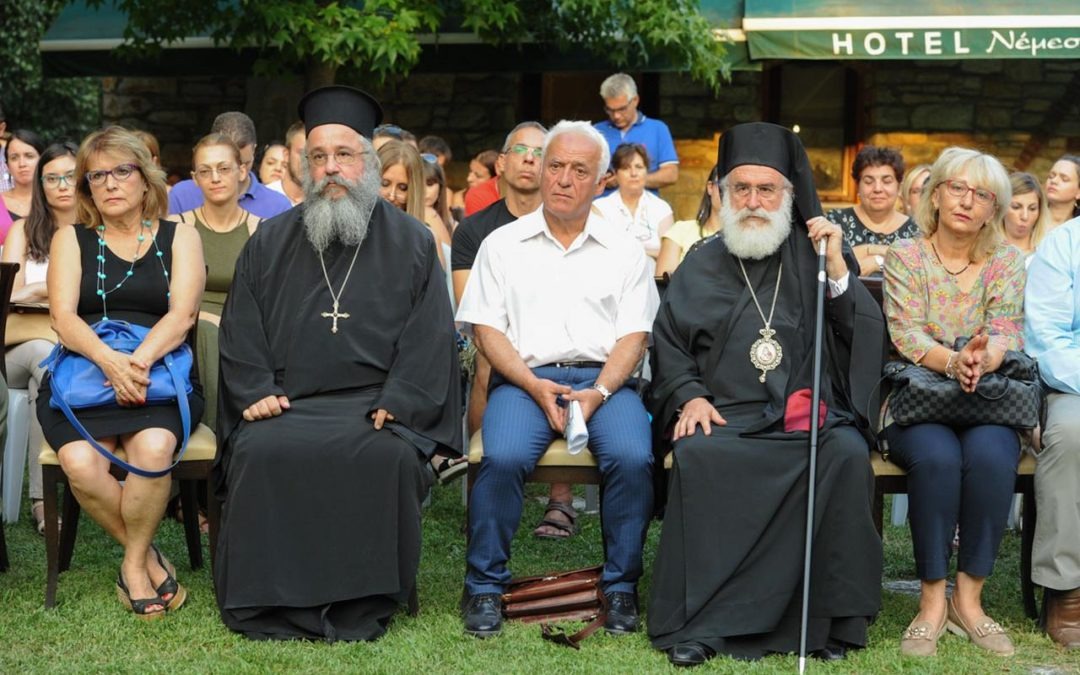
345,219
755,241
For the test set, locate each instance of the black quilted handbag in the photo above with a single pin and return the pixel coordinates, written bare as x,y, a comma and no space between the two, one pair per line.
1010,396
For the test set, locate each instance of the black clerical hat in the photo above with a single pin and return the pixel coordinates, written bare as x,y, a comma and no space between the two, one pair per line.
338,104
776,147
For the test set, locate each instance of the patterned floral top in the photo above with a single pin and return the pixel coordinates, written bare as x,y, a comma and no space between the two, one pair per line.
855,233
925,307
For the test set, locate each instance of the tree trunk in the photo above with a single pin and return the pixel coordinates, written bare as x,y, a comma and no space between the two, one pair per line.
318,74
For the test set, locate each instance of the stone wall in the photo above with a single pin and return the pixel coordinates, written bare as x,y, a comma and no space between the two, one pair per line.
176,110
1027,112
696,117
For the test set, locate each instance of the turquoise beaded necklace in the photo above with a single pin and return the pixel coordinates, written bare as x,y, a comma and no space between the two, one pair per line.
104,294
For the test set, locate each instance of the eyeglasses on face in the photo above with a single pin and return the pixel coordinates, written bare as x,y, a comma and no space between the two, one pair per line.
342,157
621,109
527,150
207,172
959,188
53,180
766,192
121,173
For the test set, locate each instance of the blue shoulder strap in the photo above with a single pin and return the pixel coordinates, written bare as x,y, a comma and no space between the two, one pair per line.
185,421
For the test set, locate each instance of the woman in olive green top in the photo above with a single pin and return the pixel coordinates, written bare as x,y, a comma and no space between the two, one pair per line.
224,228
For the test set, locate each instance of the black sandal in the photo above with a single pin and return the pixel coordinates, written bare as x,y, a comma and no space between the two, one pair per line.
570,528
140,607
450,468
170,590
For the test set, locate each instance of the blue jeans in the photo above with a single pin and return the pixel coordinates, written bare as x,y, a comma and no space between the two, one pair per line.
516,434
964,476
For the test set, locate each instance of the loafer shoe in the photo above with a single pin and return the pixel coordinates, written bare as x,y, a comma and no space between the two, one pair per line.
985,633
622,617
689,654
483,615
920,639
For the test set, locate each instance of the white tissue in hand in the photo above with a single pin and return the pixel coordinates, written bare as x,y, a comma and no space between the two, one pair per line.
577,434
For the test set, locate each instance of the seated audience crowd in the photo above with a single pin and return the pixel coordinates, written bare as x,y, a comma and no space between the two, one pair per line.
351,315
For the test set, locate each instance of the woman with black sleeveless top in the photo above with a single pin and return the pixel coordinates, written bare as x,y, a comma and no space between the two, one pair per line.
120,261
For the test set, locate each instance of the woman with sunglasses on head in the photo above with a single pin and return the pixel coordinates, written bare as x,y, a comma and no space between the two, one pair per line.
957,280
52,207
123,262
224,228
403,186
22,152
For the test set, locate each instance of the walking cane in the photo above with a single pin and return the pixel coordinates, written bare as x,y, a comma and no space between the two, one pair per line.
815,403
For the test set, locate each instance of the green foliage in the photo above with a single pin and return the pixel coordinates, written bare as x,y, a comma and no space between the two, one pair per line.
382,37
55,108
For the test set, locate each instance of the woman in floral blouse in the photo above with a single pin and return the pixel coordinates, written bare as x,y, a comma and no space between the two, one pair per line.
958,279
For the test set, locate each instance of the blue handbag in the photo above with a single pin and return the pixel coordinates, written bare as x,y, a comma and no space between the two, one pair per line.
77,383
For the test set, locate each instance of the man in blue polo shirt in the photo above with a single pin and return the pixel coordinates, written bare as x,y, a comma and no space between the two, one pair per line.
627,125
254,196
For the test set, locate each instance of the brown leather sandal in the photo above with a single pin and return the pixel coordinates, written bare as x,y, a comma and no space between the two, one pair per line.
569,528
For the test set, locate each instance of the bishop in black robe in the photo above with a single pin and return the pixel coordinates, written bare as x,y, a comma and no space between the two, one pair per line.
320,530
728,572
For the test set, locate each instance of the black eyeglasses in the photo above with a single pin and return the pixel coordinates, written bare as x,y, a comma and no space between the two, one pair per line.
121,173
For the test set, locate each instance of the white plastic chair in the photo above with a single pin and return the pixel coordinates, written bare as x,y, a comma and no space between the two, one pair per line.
14,465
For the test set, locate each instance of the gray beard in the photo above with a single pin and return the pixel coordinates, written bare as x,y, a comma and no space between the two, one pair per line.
345,219
755,241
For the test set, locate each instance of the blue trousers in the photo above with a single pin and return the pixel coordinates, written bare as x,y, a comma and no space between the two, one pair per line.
516,434
963,476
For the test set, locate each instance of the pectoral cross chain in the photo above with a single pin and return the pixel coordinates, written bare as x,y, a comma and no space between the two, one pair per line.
335,315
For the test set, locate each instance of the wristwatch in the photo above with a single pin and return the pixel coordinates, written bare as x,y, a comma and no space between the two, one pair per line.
880,260
603,392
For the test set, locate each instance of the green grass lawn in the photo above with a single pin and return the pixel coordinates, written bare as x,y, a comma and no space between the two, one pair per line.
88,631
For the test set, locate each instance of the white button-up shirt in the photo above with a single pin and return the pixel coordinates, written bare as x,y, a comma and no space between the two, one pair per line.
560,304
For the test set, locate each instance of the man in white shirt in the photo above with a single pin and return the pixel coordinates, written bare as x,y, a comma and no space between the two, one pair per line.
561,304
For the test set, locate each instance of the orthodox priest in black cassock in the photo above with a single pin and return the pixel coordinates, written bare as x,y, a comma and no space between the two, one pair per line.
728,573
320,532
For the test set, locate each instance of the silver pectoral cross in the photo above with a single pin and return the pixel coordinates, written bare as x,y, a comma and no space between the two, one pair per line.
335,315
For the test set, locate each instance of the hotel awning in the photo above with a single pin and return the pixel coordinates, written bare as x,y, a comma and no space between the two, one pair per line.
912,29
